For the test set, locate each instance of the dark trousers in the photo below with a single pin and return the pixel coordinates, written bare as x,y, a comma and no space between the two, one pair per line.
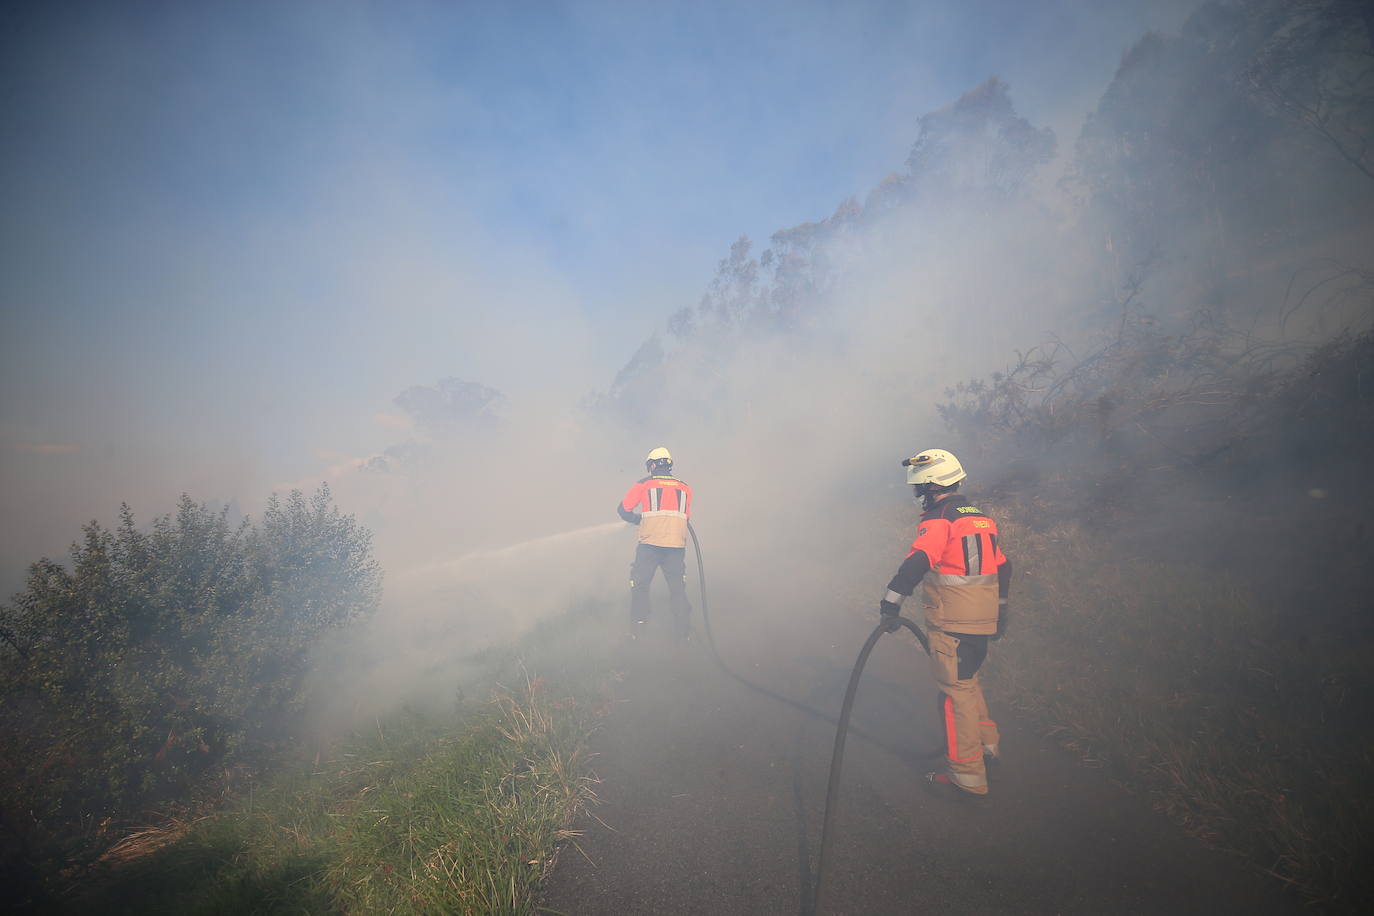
673,561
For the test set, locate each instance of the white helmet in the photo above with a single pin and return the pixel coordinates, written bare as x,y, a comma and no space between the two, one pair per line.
934,466
659,460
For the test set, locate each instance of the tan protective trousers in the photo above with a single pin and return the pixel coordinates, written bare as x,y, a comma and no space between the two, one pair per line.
968,728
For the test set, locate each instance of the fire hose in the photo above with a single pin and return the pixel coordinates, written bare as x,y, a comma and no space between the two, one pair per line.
842,724
837,757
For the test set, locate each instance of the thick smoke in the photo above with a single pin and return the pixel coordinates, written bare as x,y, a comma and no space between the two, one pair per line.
810,367
1033,212
788,418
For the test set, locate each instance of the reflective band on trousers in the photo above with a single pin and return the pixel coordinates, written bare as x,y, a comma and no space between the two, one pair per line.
966,779
676,514
950,579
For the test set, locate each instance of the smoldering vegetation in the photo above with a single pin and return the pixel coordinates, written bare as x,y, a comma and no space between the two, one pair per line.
1149,343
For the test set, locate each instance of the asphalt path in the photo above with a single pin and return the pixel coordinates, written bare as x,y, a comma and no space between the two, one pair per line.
713,784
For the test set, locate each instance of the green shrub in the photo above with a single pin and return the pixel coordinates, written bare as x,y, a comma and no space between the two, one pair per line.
163,656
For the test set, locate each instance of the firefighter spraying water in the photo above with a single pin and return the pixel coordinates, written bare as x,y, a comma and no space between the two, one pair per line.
956,558
661,506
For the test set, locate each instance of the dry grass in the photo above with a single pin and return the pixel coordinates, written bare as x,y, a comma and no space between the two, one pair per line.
145,841
1187,686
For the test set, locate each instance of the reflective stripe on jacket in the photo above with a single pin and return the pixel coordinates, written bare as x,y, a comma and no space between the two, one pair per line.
960,591
663,505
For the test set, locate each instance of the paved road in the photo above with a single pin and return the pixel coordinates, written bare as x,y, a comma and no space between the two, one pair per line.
713,792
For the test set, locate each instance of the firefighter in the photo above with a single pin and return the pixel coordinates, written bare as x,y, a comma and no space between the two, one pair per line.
965,579
660,505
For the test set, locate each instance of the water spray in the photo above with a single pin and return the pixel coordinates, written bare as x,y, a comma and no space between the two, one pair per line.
500,553
438,610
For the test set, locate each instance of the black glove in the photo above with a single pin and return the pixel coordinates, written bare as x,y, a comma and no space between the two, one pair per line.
1003,613
888,614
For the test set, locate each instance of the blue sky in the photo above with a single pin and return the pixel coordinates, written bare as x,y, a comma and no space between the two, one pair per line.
233,232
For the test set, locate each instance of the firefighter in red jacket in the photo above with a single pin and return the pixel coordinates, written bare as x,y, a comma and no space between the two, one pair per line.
965,579
660,505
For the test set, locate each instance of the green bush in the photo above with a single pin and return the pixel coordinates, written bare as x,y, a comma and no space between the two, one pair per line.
161,656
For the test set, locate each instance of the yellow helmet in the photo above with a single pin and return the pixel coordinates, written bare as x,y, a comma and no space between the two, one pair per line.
659,453
934,466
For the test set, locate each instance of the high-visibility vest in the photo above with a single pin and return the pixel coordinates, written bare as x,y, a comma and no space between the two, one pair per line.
664,504
960,591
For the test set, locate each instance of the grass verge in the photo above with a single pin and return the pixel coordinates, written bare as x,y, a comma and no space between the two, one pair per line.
460,812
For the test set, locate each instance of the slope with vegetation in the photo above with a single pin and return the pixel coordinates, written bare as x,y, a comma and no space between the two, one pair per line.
1174,623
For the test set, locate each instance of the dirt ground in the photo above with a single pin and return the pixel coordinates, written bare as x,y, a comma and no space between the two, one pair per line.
713,789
